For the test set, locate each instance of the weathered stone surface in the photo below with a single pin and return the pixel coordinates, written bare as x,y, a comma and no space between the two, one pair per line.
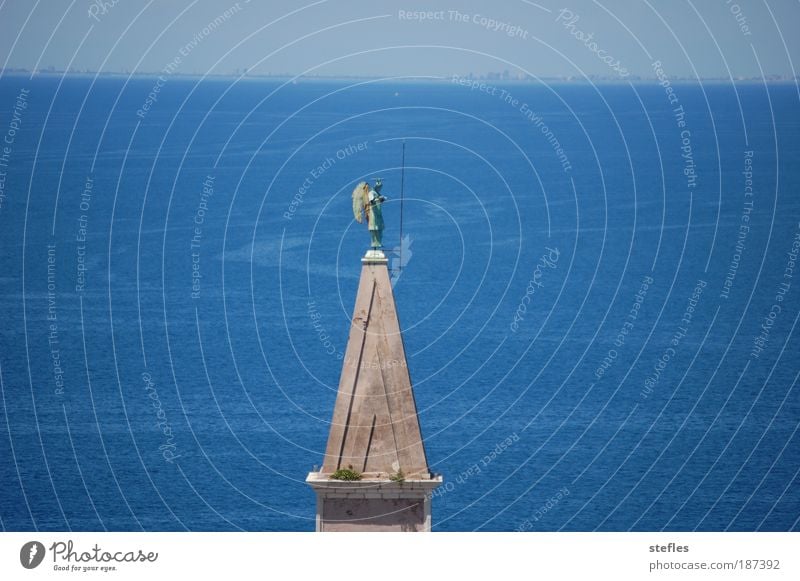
374,514
375,427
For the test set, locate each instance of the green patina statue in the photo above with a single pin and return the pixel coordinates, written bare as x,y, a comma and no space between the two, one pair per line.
367,201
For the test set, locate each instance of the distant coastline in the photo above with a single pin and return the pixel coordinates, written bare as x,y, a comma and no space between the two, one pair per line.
497,78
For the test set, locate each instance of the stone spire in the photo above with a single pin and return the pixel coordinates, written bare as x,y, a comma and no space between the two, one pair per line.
375,429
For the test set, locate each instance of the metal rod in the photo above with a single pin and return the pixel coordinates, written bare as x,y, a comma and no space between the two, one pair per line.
402,185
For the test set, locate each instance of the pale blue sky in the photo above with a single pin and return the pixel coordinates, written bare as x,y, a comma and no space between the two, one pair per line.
707,38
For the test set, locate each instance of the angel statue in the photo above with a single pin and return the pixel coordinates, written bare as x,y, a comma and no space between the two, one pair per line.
368,201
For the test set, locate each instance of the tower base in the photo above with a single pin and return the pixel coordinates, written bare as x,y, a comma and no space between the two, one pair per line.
373,505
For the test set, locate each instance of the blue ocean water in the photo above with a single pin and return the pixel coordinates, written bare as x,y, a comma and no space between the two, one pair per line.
599,298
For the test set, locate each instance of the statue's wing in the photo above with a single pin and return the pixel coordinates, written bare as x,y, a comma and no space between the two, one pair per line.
359,200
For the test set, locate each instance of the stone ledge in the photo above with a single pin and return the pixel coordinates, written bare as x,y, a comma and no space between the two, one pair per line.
371,487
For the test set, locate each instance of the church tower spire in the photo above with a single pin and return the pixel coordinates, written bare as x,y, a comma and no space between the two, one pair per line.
375,438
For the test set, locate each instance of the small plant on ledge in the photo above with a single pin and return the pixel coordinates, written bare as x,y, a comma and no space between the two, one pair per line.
346,474
398,477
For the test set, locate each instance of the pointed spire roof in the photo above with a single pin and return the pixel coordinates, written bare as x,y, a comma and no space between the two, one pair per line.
375,428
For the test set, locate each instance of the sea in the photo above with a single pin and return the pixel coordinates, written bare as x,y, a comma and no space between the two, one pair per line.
598,287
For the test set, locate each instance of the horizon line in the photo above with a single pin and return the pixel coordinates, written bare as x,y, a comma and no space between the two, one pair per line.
493,77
